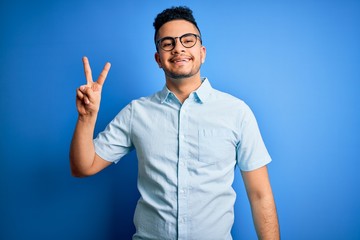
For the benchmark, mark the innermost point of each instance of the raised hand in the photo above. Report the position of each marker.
(88, 96)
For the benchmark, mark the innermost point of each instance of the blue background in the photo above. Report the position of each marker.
(296, 63)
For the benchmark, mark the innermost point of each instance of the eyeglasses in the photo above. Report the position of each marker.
(188, 40)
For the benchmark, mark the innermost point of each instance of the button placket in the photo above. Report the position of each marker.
(182, 173)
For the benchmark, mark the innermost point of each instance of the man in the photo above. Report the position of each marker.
(188, 139)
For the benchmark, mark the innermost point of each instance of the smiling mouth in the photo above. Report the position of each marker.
(180, 59)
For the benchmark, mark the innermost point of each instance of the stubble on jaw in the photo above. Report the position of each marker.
(182, 76)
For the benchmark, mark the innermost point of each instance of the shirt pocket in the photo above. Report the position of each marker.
(215, 145)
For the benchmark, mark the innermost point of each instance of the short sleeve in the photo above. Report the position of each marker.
(251, 151)
(115, 141)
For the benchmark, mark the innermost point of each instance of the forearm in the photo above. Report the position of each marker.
(265, 218)
(82, 152)
(262, 203)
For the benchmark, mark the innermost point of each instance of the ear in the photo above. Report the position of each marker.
(157, 59)
(203, 54)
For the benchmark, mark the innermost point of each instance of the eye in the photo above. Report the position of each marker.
(167, 43)
(188, 40)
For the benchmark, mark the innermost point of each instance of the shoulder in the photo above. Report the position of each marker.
(229, 100)
(154, 98)
(231, 106)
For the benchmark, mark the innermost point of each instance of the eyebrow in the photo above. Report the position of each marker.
(198, 35)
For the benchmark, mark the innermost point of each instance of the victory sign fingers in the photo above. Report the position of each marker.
(89, 94)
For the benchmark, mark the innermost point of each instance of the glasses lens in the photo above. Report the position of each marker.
(167, 44)
(188, 40)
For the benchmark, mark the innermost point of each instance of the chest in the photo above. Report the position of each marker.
(197, 132)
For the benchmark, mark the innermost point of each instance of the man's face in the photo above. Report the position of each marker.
(180, 62)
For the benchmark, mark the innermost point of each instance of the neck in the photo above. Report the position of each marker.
(184, 86)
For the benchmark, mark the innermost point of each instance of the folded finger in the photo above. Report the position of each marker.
(83, 88)
(86, 100)
(79, 94)
(82, 94)
(88, 94)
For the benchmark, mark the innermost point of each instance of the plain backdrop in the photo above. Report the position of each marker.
(296, 63)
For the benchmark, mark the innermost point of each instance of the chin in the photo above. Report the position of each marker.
(181, 75)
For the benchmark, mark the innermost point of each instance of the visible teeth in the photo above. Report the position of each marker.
(182, 60)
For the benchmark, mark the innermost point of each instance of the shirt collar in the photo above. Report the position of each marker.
(202, 93)
(164, 94)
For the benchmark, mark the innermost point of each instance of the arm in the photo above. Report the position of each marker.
(262, 203)
(83, 159)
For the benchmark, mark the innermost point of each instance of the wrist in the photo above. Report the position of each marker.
(87, 119)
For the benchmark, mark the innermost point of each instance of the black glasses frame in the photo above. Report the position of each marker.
(173, 39)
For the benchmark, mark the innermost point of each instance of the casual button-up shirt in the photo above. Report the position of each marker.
(187, 153)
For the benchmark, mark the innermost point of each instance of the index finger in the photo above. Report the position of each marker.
(104, 74)
(87, 71)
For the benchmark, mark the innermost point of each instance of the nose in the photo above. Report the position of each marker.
(178, 46)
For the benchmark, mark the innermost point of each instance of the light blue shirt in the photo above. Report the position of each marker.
(187, 155)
